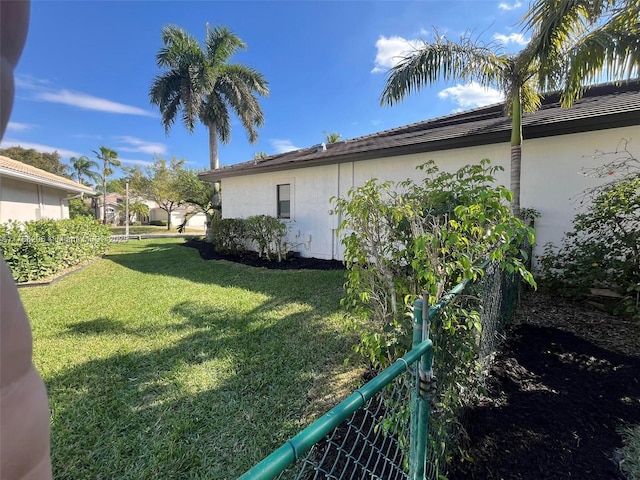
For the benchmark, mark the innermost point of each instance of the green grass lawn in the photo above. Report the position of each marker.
(142, 229)
(161, 365)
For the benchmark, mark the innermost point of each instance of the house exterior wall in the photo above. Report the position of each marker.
(551, 182)
(25, 201)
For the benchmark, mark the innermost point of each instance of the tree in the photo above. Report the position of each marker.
(204, 86)
(573, 43)
(163, 185)
(49, 162)
(109, 160)
(84, 168)
(197, 193)
(332, 137)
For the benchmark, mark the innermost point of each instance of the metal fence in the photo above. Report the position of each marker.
(398, 425)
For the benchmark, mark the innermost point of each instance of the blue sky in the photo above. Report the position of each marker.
(84, 77)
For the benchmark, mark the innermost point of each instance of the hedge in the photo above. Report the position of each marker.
(38, 249)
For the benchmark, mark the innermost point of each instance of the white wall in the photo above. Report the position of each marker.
(551, 180)
(25, 201)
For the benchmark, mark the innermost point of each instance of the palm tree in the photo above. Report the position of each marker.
(332, 137)
(524, 77)
(204, 86)
(84, 167)
(109, 160)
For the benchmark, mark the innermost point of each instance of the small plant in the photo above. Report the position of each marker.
(269, 234)
(229, 235)
(630, 452)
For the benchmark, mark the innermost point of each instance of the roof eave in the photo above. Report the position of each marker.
(6, 172)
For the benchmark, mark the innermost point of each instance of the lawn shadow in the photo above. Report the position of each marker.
(204, 406)
(557, 402)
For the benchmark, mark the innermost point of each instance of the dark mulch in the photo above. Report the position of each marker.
(563, 382)
(208, 252)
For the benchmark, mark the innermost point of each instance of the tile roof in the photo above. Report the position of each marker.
(603, 106)
(14, 168)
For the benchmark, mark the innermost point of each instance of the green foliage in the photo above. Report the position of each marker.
(41, 248)
(49, 162)
(405, 239)
(78, 207)
(229, 235)
(269, 235)
(158, 223)
(603, 248)
(630, 451)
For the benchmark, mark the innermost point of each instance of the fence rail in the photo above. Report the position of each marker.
(382, 430)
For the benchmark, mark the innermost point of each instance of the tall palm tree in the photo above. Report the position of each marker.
(109, 160)
(85, 167)
(558, 26)
(204, 86)
(332, 137)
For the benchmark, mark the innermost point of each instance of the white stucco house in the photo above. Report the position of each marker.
(29, 193)
(558, 143)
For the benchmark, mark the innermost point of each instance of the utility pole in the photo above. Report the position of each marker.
(126, 210)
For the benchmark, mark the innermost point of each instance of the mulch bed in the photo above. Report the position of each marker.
(563, 382)
(207, 252)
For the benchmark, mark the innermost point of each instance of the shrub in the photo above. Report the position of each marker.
(158, 223)
(41, 248)
(269, 234)
(603, 248)
(229, 235)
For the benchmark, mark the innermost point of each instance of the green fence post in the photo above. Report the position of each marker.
(420, 404)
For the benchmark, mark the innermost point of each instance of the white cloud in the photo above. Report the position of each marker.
(19, 127)
(89, 102)
(64, 153)
(282, 145)
(471, 95)
(144, 163)
(133, 144)
(391, 51)
(516, 38)
(509, 7)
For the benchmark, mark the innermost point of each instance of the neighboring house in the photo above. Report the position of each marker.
(297, 186)
(195, 220)
(116, 208)
(29, 193)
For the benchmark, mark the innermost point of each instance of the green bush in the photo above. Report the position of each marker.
(269, 234)
(603, 248)
(158, 223)
(41, 248)
(229, 235)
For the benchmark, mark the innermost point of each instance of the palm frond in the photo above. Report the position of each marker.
(221, 43)
(443, 60)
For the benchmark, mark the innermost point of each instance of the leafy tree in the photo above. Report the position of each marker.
(332, 137)
(137, 209)
(574, 42)
(49, 162)
(410, 238)
(197, 193)
(79, 208)
(85, 168)
(204, 86)
(109, 159)
(162, 185)
(259, 155)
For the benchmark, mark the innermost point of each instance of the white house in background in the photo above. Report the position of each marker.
(29, 193)
(196, 220)
(296, 186)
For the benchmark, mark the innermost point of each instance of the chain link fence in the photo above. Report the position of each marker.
(397, 426)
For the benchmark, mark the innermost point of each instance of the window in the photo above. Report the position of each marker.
(284, 201)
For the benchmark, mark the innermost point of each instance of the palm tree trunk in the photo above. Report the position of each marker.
(214, 162)
(516, 153)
